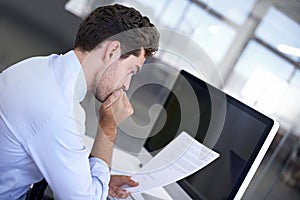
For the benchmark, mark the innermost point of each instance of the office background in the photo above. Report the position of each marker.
(254, 45)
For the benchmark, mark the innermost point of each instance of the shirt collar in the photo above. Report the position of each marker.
(80, 85)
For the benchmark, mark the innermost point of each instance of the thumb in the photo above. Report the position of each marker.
(130, 181)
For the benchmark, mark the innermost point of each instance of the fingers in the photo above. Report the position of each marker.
(119, 180)
(124, 102)
(118, 192)
(111, 99)
(118, 106)
(122, 108)
(127, 180)
(115, 109)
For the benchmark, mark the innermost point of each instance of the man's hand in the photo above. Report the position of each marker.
(113, 111)
(116, 181)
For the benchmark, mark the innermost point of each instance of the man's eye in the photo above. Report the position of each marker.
(132, 72)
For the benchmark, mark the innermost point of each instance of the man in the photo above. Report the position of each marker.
(41, 119)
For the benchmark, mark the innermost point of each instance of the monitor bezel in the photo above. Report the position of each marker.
(254, 161)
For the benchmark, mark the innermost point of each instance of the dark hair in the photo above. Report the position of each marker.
(118, 22)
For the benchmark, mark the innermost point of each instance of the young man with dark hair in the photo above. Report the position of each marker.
(41, 119)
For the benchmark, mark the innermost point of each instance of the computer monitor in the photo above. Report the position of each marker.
(239, 133)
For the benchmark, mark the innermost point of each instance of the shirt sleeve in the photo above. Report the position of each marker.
(61, 156)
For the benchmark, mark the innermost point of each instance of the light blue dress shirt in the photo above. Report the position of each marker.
(41, 122)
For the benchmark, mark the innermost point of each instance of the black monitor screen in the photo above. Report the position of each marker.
(224, 124)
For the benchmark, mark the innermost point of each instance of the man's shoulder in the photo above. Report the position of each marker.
(30, 61)
(30, 89)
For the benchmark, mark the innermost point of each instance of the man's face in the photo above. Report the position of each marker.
(118, 75)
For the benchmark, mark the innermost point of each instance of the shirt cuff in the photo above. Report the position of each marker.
(99, 169)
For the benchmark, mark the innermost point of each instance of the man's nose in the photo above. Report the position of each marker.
(126, 84)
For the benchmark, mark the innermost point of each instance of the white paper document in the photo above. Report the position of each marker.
(180, 158)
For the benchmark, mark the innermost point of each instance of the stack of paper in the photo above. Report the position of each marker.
(179, 159)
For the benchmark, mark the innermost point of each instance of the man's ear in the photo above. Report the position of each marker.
(113, 51)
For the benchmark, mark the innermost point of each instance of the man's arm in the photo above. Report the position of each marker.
(113, 111)
(61, 157)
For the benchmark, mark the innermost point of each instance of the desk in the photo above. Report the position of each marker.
(125, 163)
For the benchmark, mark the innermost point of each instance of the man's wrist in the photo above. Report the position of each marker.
(110, 131)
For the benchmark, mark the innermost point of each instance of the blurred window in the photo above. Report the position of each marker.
(213, 35)
(237, 11)
(280, 32)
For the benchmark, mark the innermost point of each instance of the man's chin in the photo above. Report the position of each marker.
(100, 99)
